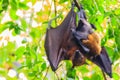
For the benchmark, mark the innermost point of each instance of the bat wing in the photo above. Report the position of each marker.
(56, 39)
(103, 62)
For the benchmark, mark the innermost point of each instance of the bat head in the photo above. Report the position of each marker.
(78, 58)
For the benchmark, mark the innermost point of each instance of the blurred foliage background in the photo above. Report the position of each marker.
(23, 25)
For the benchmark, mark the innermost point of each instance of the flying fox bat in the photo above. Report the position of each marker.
(86, 37)
(60, 43)
(68, 42)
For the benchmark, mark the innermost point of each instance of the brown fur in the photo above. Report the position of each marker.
(71, 49)
(93, 43)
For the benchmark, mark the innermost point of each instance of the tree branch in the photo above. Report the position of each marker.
(104, 75)
(55, 12)
(76, 4)
(46, 73)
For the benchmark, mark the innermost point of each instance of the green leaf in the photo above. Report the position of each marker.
(71, 73)
(43, 66)
(14, 4)
(23, 24)
(113, 21)
(107, 14)
(95, 76)
(33, 53)
(12, 25)
(17, 29)
(83, 69)
(32, 74)
(2, 28)
(117, 11)
(110, 32)
(20, 51)
(3, 5)
(6, 51)
(13, 14)
(110, 51)
(117, 38)
(116, 76)
(23, 6)
(35, 32)
(62, 1)
(86, 78)
(29, 62)
(13, 33)
(100, 18)
(104, 40)
(9, 25)
(68, 64)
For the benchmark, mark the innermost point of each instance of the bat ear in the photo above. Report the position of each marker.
(93, 26)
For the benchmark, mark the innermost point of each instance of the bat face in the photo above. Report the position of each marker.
(73, 52)
(78, 58)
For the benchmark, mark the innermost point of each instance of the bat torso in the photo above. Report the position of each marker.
(67, 41)
(93, 43)
(72, 54)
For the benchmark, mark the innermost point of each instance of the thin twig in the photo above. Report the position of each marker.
(37, 75)
(104, 75)
(46, 73)
(76, 4)
(50, 11)
(55, 12)
(57, 75)
(49, 23)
